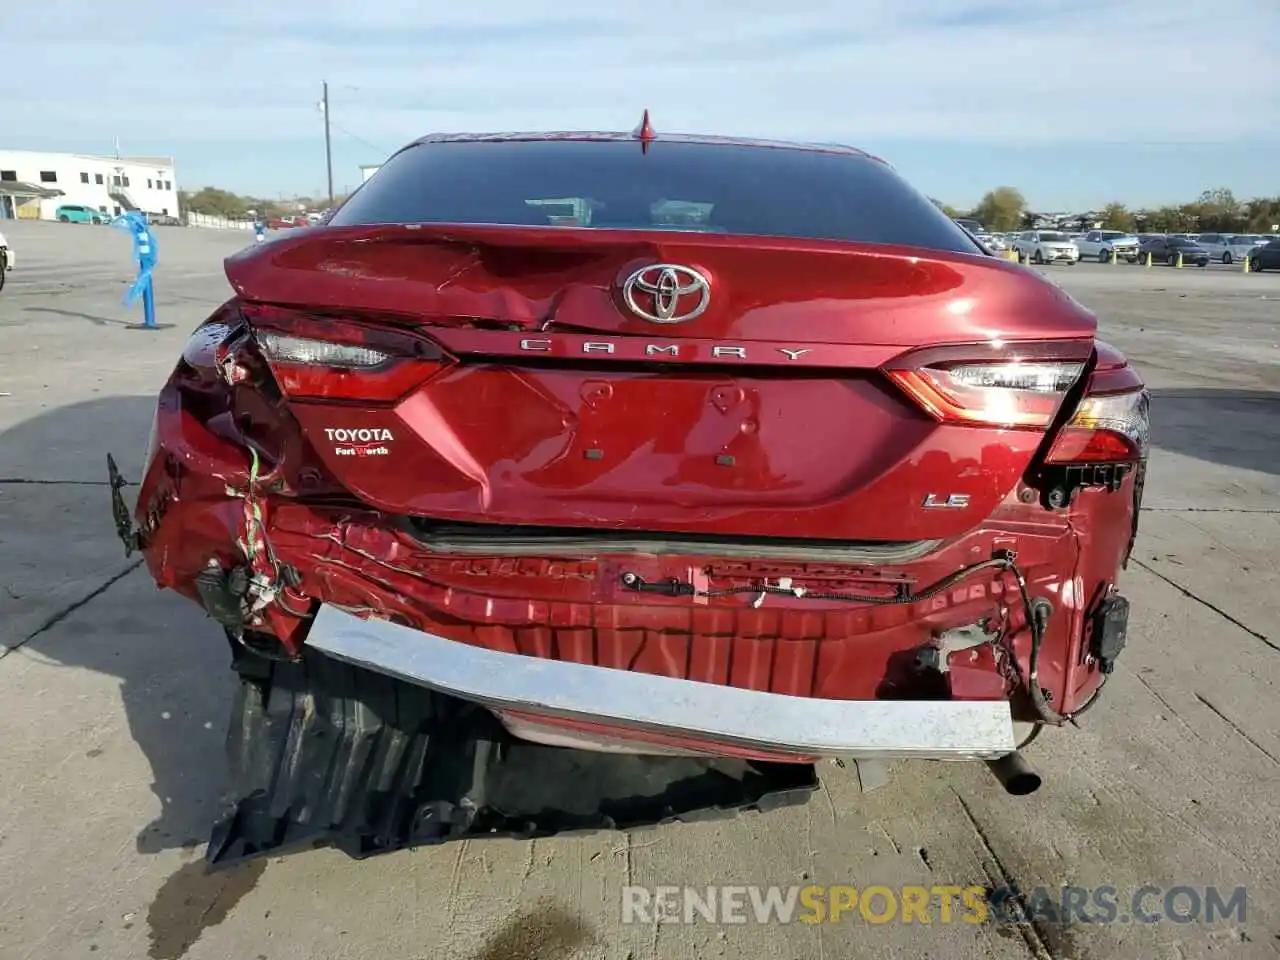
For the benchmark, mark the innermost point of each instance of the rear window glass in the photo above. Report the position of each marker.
(703, 187)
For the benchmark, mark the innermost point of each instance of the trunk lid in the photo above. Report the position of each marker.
(653, 381)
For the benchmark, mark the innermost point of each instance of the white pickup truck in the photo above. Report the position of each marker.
(1103, 245)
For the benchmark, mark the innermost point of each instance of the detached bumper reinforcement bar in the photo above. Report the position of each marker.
(776, 723)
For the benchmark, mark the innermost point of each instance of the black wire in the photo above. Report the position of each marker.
(678, 588)
(1003, 561)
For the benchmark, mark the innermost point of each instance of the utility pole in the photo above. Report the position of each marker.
(328, 148)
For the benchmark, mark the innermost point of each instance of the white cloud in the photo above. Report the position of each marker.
(1077, 71)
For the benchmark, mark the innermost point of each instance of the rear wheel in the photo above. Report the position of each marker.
(1226, 257)
(64, 218)
(1104, 256)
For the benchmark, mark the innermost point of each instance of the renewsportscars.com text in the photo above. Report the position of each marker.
(944, 904)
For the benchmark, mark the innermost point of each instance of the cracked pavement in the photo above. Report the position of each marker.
(114, 697)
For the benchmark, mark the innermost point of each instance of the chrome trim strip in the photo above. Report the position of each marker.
(866, 729)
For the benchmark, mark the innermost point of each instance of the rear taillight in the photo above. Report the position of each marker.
(318, 358)
(1008, 393)
(1106, 428)
(302, 351)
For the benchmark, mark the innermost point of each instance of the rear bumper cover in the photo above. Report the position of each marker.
(648, 706)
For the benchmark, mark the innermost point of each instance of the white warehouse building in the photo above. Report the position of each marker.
(34, 184)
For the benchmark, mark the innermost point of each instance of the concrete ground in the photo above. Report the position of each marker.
(114, 697)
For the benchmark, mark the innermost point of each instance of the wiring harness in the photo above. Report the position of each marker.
(1036, 614)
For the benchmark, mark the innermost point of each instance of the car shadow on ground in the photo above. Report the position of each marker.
(1229, 427)
(171, 661)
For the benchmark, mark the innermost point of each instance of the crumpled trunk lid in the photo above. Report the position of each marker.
(551, 400)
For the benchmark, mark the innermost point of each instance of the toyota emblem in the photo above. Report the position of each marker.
(666, 293)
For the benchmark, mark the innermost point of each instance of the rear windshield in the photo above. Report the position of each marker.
(702, 187)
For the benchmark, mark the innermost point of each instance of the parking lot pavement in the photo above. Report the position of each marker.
(114, 697)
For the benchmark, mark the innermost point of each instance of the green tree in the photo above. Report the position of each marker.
(946, 208)
(1001, 209)
(1171, 220)
(1115, 216)
(1261, 214)
(1217, 210)
(216, 202)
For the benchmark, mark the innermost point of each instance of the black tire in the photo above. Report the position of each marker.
(4, 267)
(1104, 256)
(64, 219)
(1226, 257)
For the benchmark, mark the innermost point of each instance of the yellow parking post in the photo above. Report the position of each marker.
(1148, 263)
(1247, 265)
(1114, 258)
(1011, 254)
(1179, 263)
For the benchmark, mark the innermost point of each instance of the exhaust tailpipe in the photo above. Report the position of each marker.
(1015, 774)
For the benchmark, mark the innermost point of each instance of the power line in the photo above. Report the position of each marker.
(371, 146)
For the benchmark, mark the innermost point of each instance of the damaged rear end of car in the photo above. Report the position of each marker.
(592, 481)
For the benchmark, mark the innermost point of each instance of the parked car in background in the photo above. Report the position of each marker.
(76, 213)
(1102, 245)
(1265, 256)
(1166, 250)
(1227, 247)
(993, 242)
(1046, 246)
(972, 225)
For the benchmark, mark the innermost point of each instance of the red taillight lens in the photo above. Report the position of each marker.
(1018, 393)
(1106, 428)
(324, 359)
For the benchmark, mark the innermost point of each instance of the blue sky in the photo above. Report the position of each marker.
(1077, 103)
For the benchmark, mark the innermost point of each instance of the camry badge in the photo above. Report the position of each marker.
(666, 293)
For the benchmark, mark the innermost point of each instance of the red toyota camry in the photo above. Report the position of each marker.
(577, 480)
